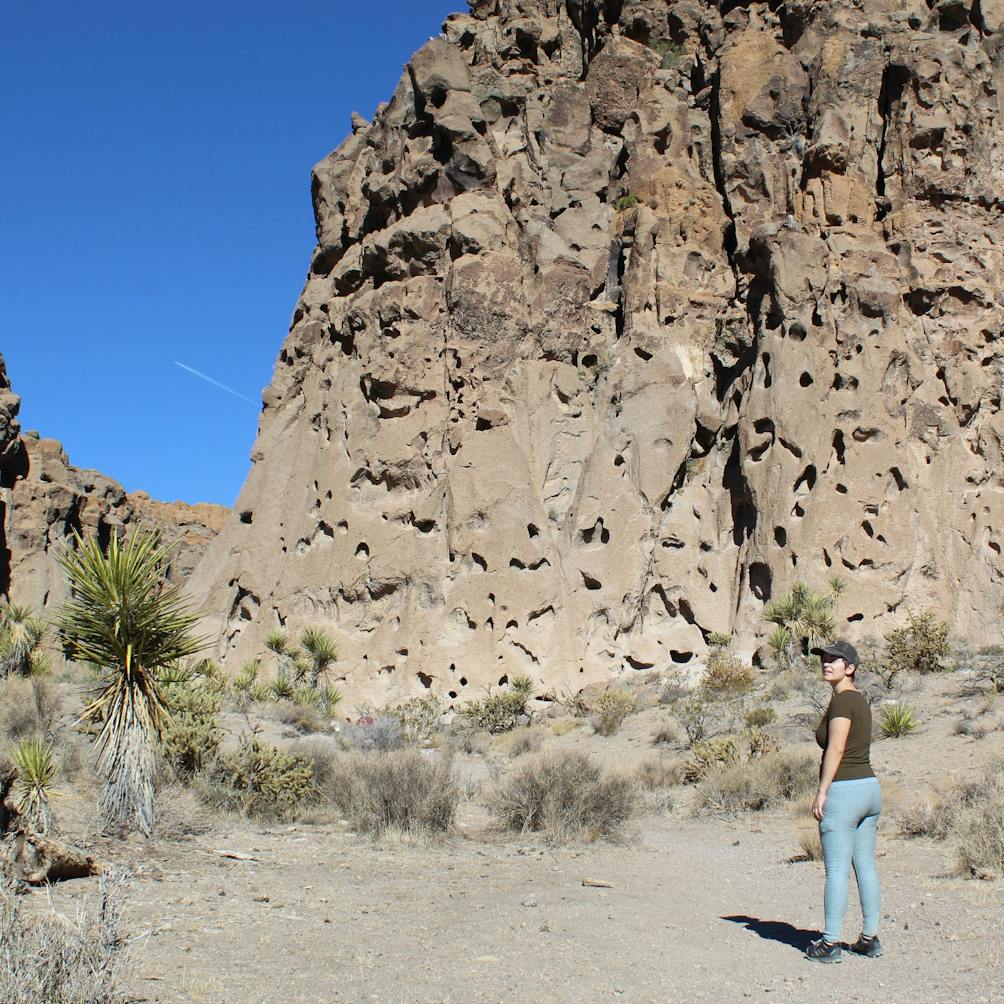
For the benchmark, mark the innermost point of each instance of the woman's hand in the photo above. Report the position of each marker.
(817, 804)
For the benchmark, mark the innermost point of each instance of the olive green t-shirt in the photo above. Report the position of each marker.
(856, 761)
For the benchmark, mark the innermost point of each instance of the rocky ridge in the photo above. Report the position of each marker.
(623, 316)
(44, 498)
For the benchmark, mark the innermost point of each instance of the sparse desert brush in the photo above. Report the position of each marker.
(305, 718)
(752, 785)
(403, 790)
(987, 665)
(697, 715)
(497, 711)
(897, 721)
(374, 734)
(18, 717)
(420, 718)
(50, 959)
(181, 814)
(809, 843)
(563, 796)
(528, 740)
(260, 781)
(972, 813)
(655, 773)
(667, 734)
(610, 709)
(760, 716)
(726, 675)
(920, 646)
(464, 736)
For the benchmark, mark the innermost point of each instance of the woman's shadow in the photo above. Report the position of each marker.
(776, 930)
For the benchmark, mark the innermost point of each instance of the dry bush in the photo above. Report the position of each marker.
(920, 646)
(971, 812)
(809, 844)
(400, 790)
(497, 711)
(726, 675)
(610, 710)
(667, 734)
(527, 741)
(757, 784)
(380, 733)
(563, 796)
(18, 714)
(464, 736)
(419, 717)
(306, 718)
(656, 773)
(54, 960)
(259, 781)
(181, 814)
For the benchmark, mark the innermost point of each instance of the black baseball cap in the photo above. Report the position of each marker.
(840, 648)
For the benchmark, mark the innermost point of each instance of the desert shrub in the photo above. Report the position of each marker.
(525, 741)
(628, 201)
(610, 709)
(523, 684)
(667, 734)
(18, 717)
(419, 717)
(726, 675)
(755, 784)
(987, 664)
(261, 781)
(723, 751)
(972, 728)
(50, 959)
(897, 720)
(191, 737)
(719, 639)
(563, 796)
(656, 773)
(809, 843)
(928, 817)
(497, 711)
(402, 790)
(465, 736)
(697, 716)
(920, 646)
(378, 734)
(760, 716)
(979, 830)
(181, 814)
(306, 718)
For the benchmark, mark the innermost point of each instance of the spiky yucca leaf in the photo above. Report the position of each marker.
(22, 640)
(277, 642)
(779, 640)
(522, 684)
(321, 652)
(782, 611)
(124, 621)
(36, 768)
(282, 686)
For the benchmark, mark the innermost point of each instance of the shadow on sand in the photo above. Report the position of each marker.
(776, 930)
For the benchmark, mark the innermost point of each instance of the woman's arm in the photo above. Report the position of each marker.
(836, 742)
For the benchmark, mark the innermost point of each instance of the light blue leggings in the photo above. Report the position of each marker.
(847, 832)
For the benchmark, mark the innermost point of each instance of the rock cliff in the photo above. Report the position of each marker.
(623, 316)
(44, 498)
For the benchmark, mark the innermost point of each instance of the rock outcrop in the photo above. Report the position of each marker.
(44, 498)
(624, 316)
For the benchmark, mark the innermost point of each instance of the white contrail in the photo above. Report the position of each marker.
(215, 383)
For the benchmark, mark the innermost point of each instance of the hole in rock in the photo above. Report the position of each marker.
(453, 695)
(867, 527)
(247, 516)
(362, 550)
(838, 445)
(589, 582)
(899, 479)
(807, 478)
(463, 681)
(479, 561)
(841, 489)
(532, 531)
(780, 536)
(805, 380)
(760, 579)
(642, 354)
(855, 617)
(680, 657)
(503, 680)
(424, 679)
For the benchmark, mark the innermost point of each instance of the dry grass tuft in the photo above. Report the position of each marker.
(404, 790)
(752, 785)
(181, 814)
(527, 740)
(655, 773)
(54, 960)
(667, 734)
(564, 796)
(610, 710)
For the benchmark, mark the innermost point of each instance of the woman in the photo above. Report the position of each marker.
(847, 806)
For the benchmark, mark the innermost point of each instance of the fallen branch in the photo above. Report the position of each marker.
(39, 860)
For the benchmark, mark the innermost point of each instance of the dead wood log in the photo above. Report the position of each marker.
(39, 860)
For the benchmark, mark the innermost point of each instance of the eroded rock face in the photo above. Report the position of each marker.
(622, 317)
(49, 498)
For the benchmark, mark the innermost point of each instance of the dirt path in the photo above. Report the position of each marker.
(699, 910)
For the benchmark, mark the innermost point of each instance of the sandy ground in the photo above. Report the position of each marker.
(700, 909)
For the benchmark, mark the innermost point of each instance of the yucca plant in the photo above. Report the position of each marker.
(804, 619)
(283, 687)
(125, 622)
(321, 652)
(522, 684)
(897, 720)
(247, 677)
(36, 776)
(22, 642)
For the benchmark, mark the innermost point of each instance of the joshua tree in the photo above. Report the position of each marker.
(804, 618)
(124, 621)
(320, 651)
(22, 640)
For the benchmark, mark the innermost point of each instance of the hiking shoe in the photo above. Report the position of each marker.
(823, 951)
(870, 948)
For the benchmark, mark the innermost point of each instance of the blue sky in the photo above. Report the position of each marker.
(155, 208)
